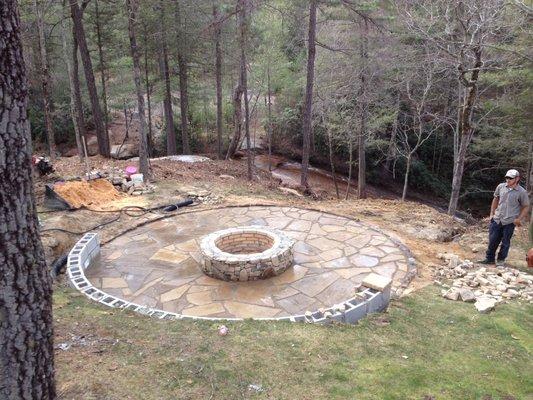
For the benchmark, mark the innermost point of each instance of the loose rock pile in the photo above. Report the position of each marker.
(122, 182)
(199, 195)
(486, 286)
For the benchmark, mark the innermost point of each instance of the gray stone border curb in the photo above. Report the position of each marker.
(365, 301)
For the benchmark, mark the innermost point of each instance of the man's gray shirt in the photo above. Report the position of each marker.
(511, 201)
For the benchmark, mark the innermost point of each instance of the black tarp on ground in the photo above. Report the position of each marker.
(54, 201)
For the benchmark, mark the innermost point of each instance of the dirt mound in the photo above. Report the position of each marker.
(81, 193)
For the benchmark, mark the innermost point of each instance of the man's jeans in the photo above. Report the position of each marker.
(499, 233)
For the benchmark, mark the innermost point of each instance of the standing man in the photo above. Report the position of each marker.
(509, 207)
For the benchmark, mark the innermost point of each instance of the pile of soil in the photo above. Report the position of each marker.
(87, 193)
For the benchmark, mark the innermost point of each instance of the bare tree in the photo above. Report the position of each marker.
(391, 152)
(529, 176)
(167, 99)
(131, 7)
(102, 65)
(182, 45)
(237, 96)
(218, 77)
(26, 323)
(243, 39)
(237, 118)
(45, 77)
(269, 118)
(308, 104)
(413, 136)
(363, 105)
(79, 30)
(76, 110)
(148, 85)
(464, 32)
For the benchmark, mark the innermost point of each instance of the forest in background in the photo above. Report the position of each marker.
(434, 95)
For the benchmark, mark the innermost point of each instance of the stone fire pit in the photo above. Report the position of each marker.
(246, 253)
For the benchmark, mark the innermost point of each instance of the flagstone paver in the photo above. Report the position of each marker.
(200, 298)
(174, 293)
(206, 310)
(113, 283)
(158, 264)
(249, 311)
(170, 256)
(313, 285)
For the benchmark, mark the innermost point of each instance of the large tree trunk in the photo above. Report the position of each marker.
(75, 97)
(243, 5)
(45, 80)
(102, 66)
(26, 334)
(183, 74)
(167, 99)
(103, 139)
(361, 139)
(218, 78)
(466, 131)
(308, 105)
(131, 7)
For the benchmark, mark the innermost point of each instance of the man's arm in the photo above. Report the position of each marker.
(494, 206)
(523, 214)
(524, 200)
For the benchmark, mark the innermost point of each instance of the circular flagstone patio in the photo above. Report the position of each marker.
(158, 265)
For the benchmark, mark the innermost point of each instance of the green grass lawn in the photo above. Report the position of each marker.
(424, 347)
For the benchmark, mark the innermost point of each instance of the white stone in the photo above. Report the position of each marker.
(467, 295)
(452, 294)
(485, 304)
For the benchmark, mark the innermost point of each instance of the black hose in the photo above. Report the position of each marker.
(130, 211)
(174, 207)
(58, 264)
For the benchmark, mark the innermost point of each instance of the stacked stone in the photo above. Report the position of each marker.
(199, 195)
(245, 243)
(221, 264)
(484, 286)
(121, 181)
(137, 188)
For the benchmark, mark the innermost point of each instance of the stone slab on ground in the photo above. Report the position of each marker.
(485, 304)
(377, 282)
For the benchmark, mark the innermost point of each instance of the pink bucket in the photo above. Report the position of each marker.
(130, 170)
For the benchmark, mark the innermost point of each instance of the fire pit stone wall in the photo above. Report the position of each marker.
(246, 253)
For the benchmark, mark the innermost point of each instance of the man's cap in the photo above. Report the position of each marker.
(512, 173)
